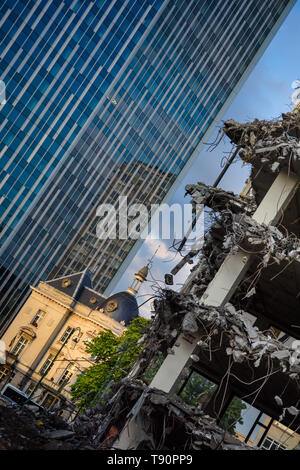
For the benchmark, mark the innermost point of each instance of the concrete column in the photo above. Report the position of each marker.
(277, 198)
(228, 277)
(166, 377)
(218, 293)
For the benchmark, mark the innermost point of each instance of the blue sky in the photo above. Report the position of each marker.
(265, 95)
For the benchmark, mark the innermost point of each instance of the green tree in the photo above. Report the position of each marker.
(198, 386)
(151, 371)
(233, 415)
(195, 387)
(114, 358)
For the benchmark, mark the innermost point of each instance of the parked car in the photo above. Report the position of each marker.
(18, 398)
(8, 401)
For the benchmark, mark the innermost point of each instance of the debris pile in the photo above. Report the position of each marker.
(265, 240)
(218, 199)
(23, 429)
(165, 421)
(271, 144)
(238, 337)
(212, 253)
(229, 233)
(241, 340)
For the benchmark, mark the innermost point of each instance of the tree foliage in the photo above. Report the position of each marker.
(198, 386)
(195, 388)
(114, 358)
(233, 415)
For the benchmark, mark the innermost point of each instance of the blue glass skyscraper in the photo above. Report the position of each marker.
(107, 98)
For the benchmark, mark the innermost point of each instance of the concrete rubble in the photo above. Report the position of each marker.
(242, 340)
(166, 422)
(24, 429)
(272, 144)
(218, 199)
(266, 241)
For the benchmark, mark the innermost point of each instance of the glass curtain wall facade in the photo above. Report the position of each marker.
(106, 98)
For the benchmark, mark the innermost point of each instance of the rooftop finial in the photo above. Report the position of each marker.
(141, 276)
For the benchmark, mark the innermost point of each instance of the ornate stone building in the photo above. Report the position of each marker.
(67, 308)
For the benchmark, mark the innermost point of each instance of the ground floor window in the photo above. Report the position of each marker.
(198, 390)
(30, 388)
(66, 375)
(50, 401)
(4, 370)
(233, 416)
(271, 444)
(46, 365)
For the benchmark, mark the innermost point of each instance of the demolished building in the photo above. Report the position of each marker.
(235, 321)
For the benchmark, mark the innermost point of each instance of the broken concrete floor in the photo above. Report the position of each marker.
(165, 422)
(23, 429)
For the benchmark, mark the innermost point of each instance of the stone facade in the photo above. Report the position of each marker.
(38, 332)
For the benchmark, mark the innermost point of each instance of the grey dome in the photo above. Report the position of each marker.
(126, 307)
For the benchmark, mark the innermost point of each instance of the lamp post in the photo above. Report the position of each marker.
(52, 362)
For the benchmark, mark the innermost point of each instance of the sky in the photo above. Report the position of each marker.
(265, 95)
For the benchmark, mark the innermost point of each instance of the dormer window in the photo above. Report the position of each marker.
(37, 318)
